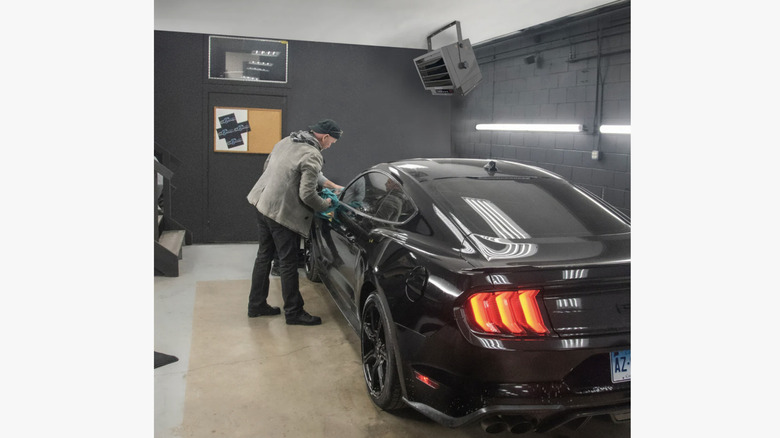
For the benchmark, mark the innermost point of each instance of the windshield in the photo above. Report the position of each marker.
(524, 208)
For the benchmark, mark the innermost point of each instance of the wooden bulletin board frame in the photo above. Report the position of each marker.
(246, 130)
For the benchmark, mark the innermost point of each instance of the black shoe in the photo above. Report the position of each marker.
(275, 270)
(264, 310)
(304, 318)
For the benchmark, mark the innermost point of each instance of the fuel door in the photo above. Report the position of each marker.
(416, 281)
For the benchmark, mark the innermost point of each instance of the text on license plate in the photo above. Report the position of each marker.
(620, 366)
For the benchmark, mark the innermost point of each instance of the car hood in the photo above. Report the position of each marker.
(482, 251)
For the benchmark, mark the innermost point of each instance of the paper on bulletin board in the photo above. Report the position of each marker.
(247, 130)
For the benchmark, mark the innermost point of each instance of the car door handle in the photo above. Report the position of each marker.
(350, 237)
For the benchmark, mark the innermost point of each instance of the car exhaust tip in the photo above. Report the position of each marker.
(493, 425)
(521, 425)
(515, 424)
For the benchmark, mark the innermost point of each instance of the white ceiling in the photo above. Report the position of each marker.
(389, 23)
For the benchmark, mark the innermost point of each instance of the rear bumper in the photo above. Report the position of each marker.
(540, 418)
(542, 388)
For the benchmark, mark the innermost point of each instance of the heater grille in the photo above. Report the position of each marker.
(433, 72)
(450, 69)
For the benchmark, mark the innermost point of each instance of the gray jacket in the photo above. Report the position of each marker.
(287, 190)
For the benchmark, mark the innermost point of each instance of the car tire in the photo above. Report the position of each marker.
(309, 261)
(378, 355)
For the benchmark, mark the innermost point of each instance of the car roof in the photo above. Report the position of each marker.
(427, 169)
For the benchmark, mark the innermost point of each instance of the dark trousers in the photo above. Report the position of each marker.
(286, 242)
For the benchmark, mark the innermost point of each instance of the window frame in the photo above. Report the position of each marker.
(414, 212)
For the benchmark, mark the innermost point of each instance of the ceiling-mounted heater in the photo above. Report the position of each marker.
(450, 69)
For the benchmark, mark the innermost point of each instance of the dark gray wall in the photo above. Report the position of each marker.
(374, 93)
(583, 76)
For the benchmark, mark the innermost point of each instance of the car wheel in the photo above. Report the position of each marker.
(378, 355)
(309, 262)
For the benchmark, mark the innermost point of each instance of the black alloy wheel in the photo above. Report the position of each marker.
(378, 356)
(308, 260)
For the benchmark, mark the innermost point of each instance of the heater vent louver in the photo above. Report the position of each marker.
(433, 72)
(450, 69)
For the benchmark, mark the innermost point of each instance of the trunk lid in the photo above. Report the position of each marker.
(585, 282)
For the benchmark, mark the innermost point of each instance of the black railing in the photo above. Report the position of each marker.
(169, 235)
(165, 165)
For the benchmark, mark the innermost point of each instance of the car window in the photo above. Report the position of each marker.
(355, 194)
(379, 196)
(525, 208)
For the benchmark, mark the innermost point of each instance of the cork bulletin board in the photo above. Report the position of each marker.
(246, 130)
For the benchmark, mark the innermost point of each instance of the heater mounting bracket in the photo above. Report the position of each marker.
(456, 23)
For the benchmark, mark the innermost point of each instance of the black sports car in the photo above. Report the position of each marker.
(482, 290)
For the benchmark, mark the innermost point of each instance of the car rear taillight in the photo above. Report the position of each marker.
(508, 313)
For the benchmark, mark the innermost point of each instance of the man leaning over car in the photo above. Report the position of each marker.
(286, 198)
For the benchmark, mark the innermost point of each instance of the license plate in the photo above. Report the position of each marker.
(620, 366)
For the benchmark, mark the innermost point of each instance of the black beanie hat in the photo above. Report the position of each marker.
(327, 126)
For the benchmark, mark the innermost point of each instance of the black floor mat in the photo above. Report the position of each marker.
(161, 359)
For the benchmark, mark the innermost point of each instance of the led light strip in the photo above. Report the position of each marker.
(529, 127)
(550, 127)
(615, 129)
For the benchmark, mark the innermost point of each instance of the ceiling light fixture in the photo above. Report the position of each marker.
(615, 129)
(535, 127)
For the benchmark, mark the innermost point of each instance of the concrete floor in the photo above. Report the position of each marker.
(242, 377)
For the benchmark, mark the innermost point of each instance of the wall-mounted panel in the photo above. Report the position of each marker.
(247, 59)
(247, 130)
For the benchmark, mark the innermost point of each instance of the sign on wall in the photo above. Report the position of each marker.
(247, 130)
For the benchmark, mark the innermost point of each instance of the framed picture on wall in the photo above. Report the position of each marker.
(246, 59)
(246, 130)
